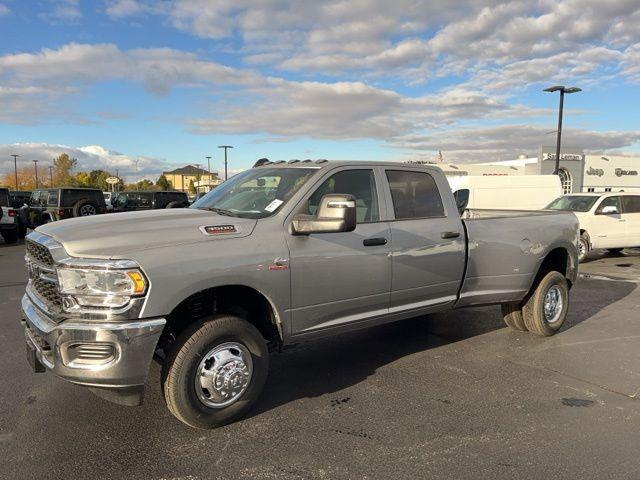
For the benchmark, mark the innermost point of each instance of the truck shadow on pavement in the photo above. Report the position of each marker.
(330, 365)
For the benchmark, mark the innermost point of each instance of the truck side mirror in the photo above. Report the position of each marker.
(462, 199)
(336, 213)
(609, 210)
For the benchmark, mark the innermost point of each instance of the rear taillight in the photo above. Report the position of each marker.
(13, 213)
(61, 212)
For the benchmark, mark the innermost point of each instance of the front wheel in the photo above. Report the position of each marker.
(512, 315)
(583, 247)
(546, 309)
(215, 372)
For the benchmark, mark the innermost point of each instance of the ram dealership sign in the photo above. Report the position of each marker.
(622, 173)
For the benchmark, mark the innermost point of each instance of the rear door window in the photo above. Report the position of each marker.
(49, 198)
(631, 203)
(414, 195)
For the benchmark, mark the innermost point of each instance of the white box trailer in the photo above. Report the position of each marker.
(507, 192)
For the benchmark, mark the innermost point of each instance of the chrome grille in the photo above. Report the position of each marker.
(39, 253)
(47, 291)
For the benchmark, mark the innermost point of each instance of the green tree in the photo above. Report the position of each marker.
(163, 183)
(192, 187)
(98, 179)
(64, 166)
(145, 184)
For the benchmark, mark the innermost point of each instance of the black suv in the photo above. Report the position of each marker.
(19, 198)
(131, 201)
(51, 204)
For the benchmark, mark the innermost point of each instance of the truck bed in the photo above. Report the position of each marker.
(505, 249)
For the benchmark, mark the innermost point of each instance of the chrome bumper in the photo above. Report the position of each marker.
(111, 357)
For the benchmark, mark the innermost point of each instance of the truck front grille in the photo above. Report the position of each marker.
(39, 253)
(47, 291)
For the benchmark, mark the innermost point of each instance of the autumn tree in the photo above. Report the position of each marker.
(192, 187)
(163, 184)
(64, 166)
(26, 178)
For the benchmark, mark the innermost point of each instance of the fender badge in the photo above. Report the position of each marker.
(218, 229)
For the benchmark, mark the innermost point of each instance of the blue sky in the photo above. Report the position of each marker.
(162, 83)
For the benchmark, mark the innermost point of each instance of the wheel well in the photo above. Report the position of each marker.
(239, 300)
(556, 260)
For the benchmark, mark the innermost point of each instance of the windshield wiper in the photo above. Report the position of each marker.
(220, 211)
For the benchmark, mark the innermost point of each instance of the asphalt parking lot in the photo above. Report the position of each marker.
(454, 395)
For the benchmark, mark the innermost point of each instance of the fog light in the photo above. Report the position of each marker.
(81, 355)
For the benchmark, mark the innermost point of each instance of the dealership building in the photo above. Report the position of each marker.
(578, 172)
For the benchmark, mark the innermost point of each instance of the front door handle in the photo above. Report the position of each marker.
(372, 242)
(450, 234)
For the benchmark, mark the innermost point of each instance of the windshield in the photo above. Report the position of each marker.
(255, 193)
(575, 203)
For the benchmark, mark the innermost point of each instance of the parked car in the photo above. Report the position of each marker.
(274, 256)
(9, 228)
(19, 198)
(131, 201)
(108, 196)
(608, 221)
(52, 204)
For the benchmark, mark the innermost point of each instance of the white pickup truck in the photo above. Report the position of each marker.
(607, 221)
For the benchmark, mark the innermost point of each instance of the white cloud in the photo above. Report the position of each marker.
(90, 157)
(4, 10)
(63, 11)
(508, 141)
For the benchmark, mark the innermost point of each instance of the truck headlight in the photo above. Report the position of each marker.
(94, 287)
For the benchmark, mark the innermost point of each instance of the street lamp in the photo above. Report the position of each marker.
(209, 170)
(15, 167)
(51, 176)
(562, 89)
(35, 167)
(226, 147)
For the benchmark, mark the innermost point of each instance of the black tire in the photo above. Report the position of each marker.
(533, 309)
(10, 236)
(181, 366)
(584, 246)
(614, 251)
(175, 205)
(85, 208)
(512, 315)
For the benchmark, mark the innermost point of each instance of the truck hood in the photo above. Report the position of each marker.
(114, 235)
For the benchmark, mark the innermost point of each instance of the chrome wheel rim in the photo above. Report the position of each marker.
(223, 375)
(582, 249)
(87, 210)
(553, 304)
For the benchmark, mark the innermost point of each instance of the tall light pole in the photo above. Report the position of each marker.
(226, 147)
(198, 177)
(35, 167)
(562, 89)
(209, 170)
(50, 176)
(15, 167)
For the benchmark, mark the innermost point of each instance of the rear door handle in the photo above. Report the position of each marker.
(372, 242)
(450, 234)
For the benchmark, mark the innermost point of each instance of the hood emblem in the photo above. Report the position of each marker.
(218, 229)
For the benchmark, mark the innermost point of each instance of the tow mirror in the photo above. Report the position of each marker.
(609, 210)
(462, 199)
(336, 213)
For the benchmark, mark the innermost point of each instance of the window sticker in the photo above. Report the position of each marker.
(273, 205)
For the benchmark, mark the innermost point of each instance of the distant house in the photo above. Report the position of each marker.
(203, 180)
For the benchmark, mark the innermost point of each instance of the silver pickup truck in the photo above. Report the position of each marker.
(278, 254)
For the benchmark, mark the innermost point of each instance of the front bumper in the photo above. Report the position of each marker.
(110, 357)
